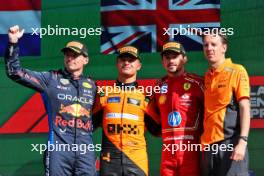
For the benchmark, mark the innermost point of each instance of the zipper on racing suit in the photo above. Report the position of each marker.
(76, 85)
(121, 135)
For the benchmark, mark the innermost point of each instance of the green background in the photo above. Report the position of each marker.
(246, 47)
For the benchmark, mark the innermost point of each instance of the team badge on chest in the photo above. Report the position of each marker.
(174, 119)
(186, 86)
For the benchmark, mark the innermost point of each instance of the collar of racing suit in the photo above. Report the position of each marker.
(68, 75)
(126, 85)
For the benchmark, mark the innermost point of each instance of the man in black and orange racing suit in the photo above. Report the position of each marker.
(122, 111)
(68, 98)
(180, 104)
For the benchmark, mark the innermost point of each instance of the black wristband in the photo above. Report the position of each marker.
(244, 138)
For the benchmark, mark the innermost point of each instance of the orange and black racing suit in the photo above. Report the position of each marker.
(123, 116)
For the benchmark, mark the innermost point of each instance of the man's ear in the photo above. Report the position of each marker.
(185, 59)
(224, 48)
(139, 66)
(86, 60)
(163, 61)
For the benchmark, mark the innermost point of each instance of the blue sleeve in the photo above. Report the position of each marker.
(32, 79)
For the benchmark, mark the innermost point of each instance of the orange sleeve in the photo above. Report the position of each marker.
(242, 86)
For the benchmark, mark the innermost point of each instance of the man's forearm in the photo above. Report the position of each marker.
(11, 59)
(244, 107)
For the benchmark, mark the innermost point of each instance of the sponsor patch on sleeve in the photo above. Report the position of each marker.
(113, 100)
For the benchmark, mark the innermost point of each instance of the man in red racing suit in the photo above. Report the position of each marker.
(180, 103)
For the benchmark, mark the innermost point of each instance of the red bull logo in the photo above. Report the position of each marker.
(59, 121)
(76, 110)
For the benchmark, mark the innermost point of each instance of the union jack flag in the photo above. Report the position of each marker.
(142, 23)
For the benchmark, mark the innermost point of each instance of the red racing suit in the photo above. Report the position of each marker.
(180, 103)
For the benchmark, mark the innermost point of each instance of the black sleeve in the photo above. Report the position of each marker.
(97, 119)
(32, 79)
(151, 125)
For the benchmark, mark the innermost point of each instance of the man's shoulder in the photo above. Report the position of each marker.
(89, 79)
(88, 83)
(194, 77)
(56, 73)
(195, 80)
(161, 81)
(235, 67)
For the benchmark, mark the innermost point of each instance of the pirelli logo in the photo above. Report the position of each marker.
(128, 49)
(124, 128)
(171, 45)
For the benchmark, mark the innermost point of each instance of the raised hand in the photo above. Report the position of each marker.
(14, 33)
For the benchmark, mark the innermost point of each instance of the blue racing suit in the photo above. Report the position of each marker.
(68, 103)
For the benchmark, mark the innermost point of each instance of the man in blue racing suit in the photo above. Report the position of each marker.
(68, 98)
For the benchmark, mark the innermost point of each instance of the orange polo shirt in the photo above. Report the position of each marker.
(225, 86)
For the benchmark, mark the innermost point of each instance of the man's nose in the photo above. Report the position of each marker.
(210, 47)
(69, 58)
(126, 62)
(170, 60)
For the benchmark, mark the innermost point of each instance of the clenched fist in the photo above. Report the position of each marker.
(14, 34)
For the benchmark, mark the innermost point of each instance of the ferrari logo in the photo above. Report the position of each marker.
(186, 86)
